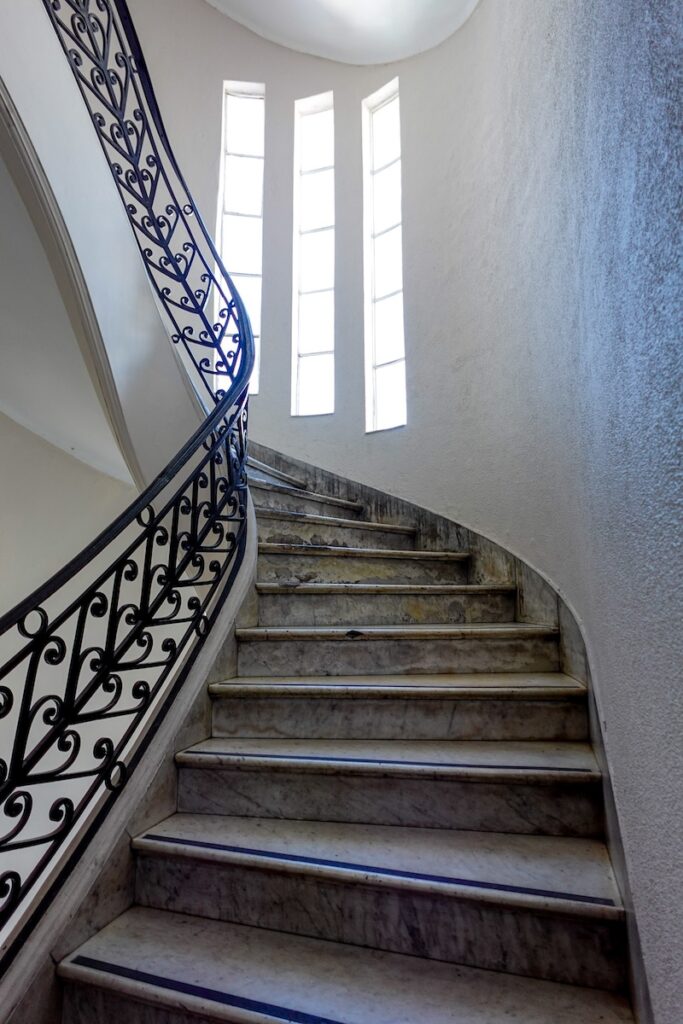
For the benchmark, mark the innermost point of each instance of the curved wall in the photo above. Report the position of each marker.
(44, 383)
(51, 506)
(154, 394)
(543, 363)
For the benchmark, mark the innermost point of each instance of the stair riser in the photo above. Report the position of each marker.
(538, 945)
(84, 1004)
(400, 719)
(273, 568)
(565, 809)
(285, 531)
(383, 609)
(264, 498)
(364, 657)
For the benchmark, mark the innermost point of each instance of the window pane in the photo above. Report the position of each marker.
(389, 329)
(390, 392)
(387, 197)
(388, 263)
(316, 255)
(242, 244)
(243, 187)
(244, 126)
(316, 200)
(386, 133)
(316, 140)
(316, 322)
(315, 385)
(250, 293)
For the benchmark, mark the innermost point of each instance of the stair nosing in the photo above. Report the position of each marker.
(489, 630)
(287, 478)
(272, 485)
(272, 587)
(302, 688)
(291, 515)
(331, 550)
(339, 765)
(371, 876)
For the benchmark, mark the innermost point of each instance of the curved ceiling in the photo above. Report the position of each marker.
(352, 31)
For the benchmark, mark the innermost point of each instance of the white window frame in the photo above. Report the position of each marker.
(303, 108)
(249, 90)
(370, 106)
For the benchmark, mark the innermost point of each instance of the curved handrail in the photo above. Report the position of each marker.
(91, 661)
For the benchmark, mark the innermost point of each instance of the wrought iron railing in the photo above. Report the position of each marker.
(90, 662)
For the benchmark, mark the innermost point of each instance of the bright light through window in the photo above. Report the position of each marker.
(313, 297)
(385, 365)
(240, 227)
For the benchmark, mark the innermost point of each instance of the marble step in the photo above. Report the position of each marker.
(534, 788)
(507, 706)
(153, 967)
(533, 905)
(378, 604)
(282, 526)
(261, 470)
(359, 650)
(270, 494)
(296, 562)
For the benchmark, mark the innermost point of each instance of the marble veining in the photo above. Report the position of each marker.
(397, 793)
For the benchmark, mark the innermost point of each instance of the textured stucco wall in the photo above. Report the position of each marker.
(544, 362)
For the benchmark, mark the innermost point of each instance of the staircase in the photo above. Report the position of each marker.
(398, 817)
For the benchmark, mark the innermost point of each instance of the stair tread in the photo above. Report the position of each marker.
(280, 475)
(540, 685)
(437, 631)
(350, 524)
(529, 760)
(272, 485)
(331, 550)
(543, 872)
(228, 972)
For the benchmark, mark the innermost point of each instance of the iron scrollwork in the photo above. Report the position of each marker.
(92, 660)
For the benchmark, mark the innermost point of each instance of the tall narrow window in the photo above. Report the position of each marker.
(313, 293)
(385, 364)
(240, 226)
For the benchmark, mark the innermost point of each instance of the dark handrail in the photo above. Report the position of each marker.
(92, 660)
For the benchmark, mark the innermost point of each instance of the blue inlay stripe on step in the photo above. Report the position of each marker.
(213, 995)
(382, 760)
(294, 858)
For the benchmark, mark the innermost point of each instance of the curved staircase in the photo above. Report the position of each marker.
(398, 816)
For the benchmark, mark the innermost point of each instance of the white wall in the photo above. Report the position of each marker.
(543, 365)
(153, 393)
(51, 506)
(44, 383)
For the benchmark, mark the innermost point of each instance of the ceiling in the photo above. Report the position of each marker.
(352, 31)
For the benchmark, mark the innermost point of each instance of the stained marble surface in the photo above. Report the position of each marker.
(342, 983)
(563, 866)
(388, 799)
(319, 532)
(281, 562)
(545, 760)
(482, 685)
(400, 918)
(302, 501)
(298, 715)
(476, 652)
(312, 607)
